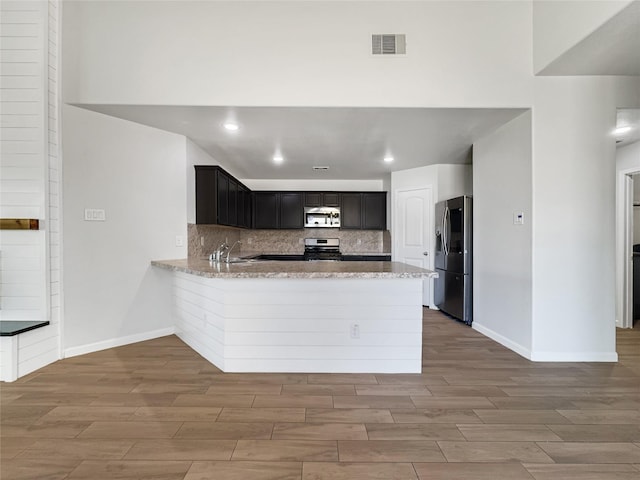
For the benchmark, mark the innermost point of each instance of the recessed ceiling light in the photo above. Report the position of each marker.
(622, 130)
(388, 159)
(278, 158)
(232, 127)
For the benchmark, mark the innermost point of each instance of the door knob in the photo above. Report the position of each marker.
(425, 253)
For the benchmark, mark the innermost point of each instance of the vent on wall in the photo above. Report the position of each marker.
(388, 44)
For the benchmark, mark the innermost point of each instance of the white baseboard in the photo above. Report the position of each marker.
(574, 357)
(511, 345)
(546, 356)
(117, 342)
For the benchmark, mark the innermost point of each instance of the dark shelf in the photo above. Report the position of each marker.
(9, 328)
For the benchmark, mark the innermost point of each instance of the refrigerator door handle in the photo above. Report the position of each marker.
(445, 232)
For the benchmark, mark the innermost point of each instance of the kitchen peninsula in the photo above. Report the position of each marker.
(296, 316)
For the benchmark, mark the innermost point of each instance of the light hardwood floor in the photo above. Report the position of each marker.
(156, 410)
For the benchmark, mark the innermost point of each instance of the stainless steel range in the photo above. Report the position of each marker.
(322, 249)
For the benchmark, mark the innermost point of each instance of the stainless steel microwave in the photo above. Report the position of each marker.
(323, 217)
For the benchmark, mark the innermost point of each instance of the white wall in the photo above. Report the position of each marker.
(558, 25)
(311, 185)
(460, 54)
(502, 251)
(454, 181)
(137, 175)
(573, 205)
(447, 181)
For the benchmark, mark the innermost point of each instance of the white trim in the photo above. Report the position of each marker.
(504, 341)
(9, 358)
(575, 357)
(117, 342)
(627, 251)
(546, 356)
(623, 249)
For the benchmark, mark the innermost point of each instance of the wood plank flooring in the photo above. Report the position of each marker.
(156, 410)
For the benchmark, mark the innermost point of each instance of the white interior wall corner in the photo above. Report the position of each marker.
(574, 262)
(502, 256)
(559, 25)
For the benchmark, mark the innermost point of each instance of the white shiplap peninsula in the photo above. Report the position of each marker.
(275, 316)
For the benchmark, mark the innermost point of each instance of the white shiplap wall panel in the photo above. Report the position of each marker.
(29, 175)
(54, 170)
(22, 263)
(301, 325)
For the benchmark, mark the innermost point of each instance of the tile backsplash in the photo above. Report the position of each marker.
(282, 241)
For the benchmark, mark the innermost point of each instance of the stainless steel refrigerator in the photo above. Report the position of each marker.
(453, 293)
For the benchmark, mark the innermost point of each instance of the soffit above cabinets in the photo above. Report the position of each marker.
(352, 142)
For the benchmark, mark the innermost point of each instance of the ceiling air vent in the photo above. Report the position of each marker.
(388, 44)
(320, 168)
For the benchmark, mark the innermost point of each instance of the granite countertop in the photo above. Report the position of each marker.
(294, 269)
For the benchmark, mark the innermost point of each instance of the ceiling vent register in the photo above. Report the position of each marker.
(388, 44)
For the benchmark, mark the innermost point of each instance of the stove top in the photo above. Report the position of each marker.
(322, 249)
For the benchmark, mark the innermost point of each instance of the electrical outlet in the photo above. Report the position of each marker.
(202, 241)
(354, 330)
(358, 242)
(179, 242)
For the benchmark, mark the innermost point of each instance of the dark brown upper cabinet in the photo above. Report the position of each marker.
(374, 211)
(223, 200)
(220, 198)
(364, 211)
(291, 210)
(351, 211)
(321, 199)
(278, 210)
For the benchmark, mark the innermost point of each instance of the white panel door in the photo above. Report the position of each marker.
(414, 229)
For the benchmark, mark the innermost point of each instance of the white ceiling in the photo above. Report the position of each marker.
(351, 141)
(612, 49)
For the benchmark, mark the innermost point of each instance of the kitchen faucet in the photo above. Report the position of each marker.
(229, 251)
(217, 255)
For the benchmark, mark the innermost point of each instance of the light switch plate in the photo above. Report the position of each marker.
(94, 215)
(518, 218)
